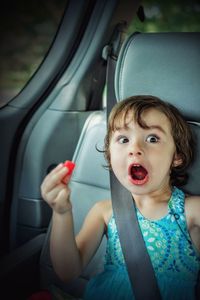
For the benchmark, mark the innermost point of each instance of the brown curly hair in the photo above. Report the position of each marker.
(180, 129)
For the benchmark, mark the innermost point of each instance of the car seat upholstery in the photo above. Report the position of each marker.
(166, 65)
(89, 184)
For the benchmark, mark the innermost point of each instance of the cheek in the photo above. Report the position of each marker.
(164, 158)
(118, 165)
(166, 161)
(113, 160)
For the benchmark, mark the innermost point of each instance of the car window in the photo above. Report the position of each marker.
(27, 29)
(168, 16)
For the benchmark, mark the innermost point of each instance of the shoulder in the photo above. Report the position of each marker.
(192, 210)
(96, 219)
(102, 209)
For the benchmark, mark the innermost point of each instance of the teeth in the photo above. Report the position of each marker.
(138, 172)
(137, 166)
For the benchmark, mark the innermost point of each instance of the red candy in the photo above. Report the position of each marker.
(70, 166)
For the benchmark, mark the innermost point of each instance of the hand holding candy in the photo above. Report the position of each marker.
(55, 190)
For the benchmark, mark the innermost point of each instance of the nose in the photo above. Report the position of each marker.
(135, 149)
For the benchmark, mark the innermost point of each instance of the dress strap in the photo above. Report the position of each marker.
(177, 211)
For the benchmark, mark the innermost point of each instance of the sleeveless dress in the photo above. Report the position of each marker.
(175, 260)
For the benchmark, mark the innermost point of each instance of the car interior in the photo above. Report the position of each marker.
(71, 124)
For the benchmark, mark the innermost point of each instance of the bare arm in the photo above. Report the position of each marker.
(69, 254)
(192, 210)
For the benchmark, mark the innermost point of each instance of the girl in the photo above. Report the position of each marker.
(149, 147)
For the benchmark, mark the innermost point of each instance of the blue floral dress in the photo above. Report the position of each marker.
(175, 260)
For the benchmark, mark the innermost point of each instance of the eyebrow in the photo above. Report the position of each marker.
(158, 127)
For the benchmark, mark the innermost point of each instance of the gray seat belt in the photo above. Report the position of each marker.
(139, 267)
(138, 263)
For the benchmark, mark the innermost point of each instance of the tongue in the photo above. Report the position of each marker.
(138, 172)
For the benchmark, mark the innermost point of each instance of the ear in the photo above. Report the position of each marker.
(177, 161)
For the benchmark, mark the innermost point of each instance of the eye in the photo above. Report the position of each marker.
(152, 138)
(122, 139)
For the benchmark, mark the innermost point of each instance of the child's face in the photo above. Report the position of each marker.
(142, 158)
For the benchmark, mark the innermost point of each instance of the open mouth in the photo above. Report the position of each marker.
(138, 174)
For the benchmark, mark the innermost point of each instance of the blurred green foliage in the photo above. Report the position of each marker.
(169, 16)
(27, 29)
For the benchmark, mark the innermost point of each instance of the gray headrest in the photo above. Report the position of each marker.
(166, 65)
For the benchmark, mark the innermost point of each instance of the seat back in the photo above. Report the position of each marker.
(89, 184)
(166, 65)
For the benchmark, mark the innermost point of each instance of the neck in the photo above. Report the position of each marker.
(153, 198)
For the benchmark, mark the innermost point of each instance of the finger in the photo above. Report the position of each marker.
(66, 179)
(53, 194)
(61, 202)
(53, 179)
(59, 167)
(62, 196)
(56, 169)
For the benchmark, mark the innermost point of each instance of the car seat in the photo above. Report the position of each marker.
(166, 65)
(89, 184)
